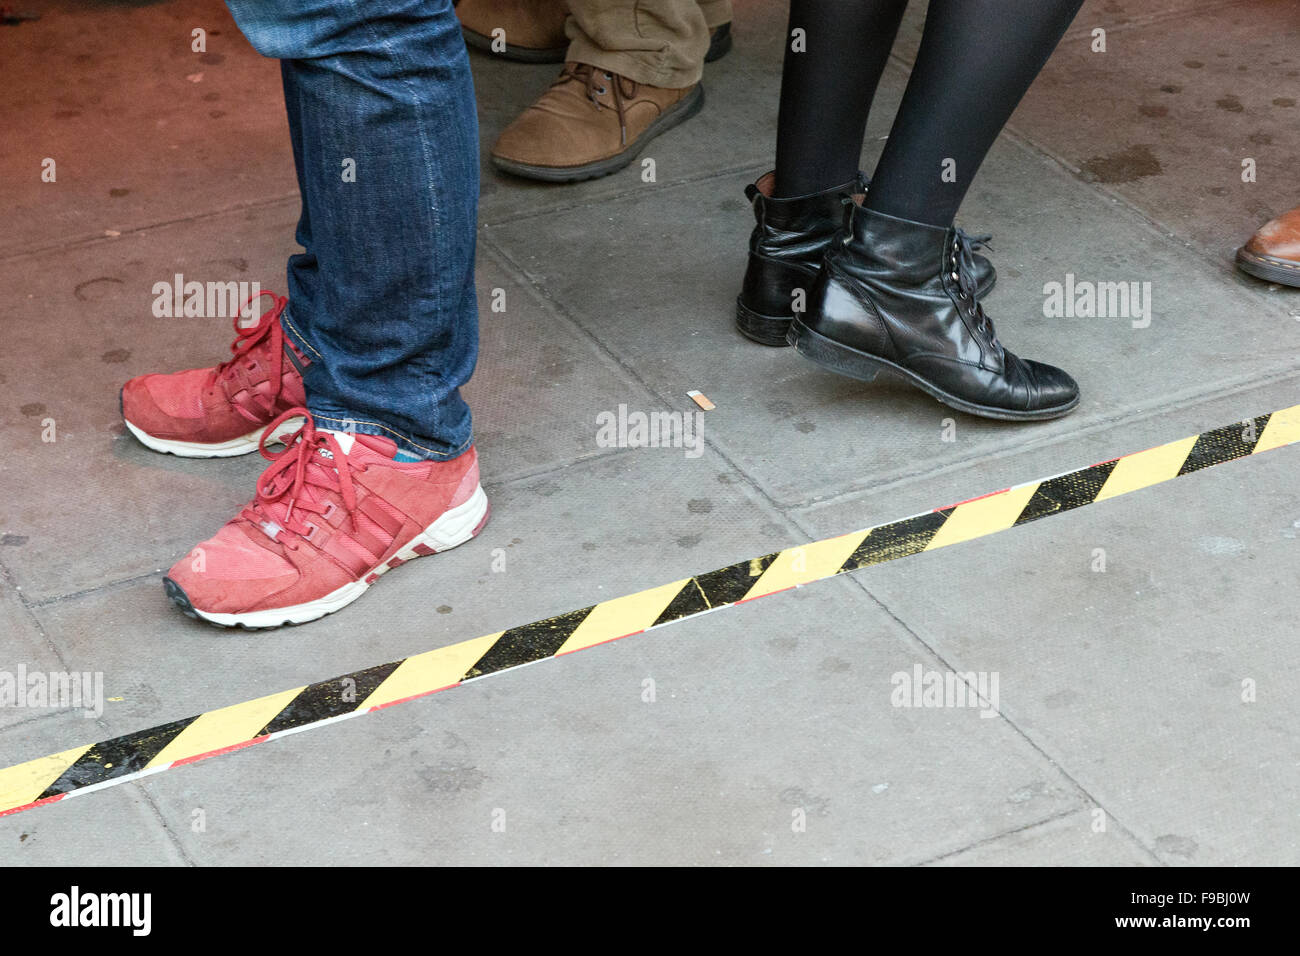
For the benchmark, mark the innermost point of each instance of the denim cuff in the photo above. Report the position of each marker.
(344, 420)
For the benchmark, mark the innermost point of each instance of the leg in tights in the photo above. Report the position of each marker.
(827, 89)
(976, 61)
(903, 295)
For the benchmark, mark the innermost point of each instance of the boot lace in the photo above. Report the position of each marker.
(295, 486)
(246, 339)
(599, 83)
(964, 247)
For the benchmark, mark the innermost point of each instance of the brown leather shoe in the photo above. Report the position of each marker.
(534, 29)
(590, 123)
(1273, 253)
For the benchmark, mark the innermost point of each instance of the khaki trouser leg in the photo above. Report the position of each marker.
(656, 42)
(716, 12)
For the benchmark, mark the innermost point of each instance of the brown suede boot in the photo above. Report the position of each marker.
(1273, 253)
(590, 123)
(534, 29)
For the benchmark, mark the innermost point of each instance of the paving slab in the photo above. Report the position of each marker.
(1133, 677)
(1075, 839)
(752, 719)
(804, 433)
(24, 651)
(1177, 105)
(142, 128)
(122, 830)
(218, 117)
(1107, 14)
(74, 340)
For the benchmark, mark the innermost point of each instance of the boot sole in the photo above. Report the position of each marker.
(720, 43)
(845, 360)
(774, 330)
(1268, 268)
(679, 113)
(452, 528)
(768, 330)
(519, 54)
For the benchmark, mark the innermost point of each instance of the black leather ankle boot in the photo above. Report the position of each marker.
(899, 296)
(785, 251)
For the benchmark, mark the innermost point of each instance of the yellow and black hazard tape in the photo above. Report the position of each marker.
(83, 769)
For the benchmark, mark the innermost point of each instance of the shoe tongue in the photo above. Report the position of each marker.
(351, 443)
(380, 446)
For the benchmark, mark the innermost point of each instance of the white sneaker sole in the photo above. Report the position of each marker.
(226, 449)
(453, 527)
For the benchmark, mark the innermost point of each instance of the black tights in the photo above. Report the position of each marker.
(976, 61)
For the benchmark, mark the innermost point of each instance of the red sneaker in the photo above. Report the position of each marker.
(220, 412)
(332, 513)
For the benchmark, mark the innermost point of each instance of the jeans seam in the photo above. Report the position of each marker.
(302, 339)
(436, 231)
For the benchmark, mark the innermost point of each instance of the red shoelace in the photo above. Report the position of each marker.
(286, 491)
(246, 339)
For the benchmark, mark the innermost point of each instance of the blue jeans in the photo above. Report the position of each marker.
(385, 142)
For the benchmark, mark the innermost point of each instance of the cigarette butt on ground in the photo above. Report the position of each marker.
(701, 400)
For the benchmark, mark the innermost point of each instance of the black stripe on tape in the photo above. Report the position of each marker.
(1224, 444)
(896, 540)
(1065, 492)
(715, 588)
(528, 643)
(329, 698)
(117, 757)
